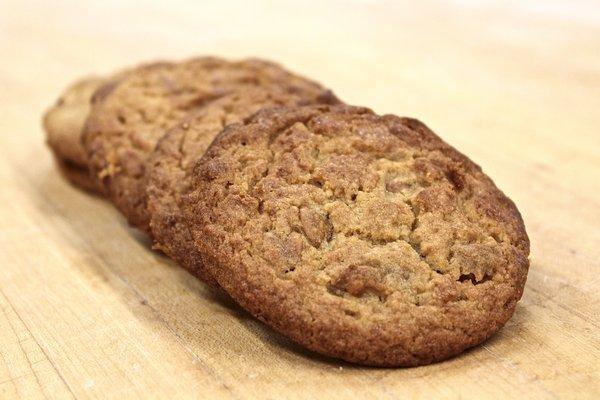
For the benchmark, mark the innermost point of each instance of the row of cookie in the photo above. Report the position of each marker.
(359, 236)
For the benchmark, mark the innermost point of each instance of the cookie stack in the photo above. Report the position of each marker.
(359, 236)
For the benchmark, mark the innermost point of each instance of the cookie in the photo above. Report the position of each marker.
(63, 124)
(128, 118)
(177, 151)
(359, 236)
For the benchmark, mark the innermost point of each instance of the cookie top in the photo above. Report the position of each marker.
(359, 236)
(63, 124)
(130, 114)
(177, 151)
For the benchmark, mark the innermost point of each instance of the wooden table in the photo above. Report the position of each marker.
(89, 311)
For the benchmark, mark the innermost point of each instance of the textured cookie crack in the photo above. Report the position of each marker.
(347, 203)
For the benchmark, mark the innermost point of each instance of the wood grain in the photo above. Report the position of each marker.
(87, 310)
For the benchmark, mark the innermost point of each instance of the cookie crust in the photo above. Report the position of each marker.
(359, 236)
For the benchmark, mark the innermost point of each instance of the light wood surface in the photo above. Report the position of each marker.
(87, 310)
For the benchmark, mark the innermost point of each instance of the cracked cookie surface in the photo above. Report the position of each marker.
(129, 115)
(177, 151)
(359, 236)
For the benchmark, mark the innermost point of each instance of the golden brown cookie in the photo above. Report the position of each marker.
(359, 236)
(130, 115)
(177, 151)
(63, 124)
